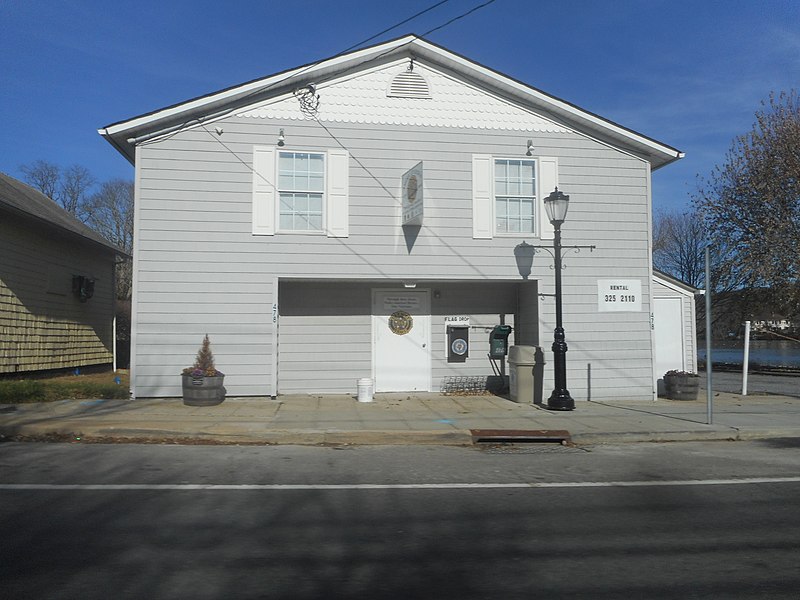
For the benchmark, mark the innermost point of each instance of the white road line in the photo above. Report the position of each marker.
(384, 486)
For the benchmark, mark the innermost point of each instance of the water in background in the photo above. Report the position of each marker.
(773, 353)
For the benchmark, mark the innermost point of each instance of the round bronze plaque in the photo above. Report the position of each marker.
(411, 189)
(400, 322)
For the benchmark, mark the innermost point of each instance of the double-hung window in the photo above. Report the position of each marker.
(515, 196)
(301, 186)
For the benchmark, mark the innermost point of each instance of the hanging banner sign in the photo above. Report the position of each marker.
(411, 191)
(619, 295)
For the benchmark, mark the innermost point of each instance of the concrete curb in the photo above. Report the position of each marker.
(731, 434)
(308, 437)
(654, 437)
(313, 437)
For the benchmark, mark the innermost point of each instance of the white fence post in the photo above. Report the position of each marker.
(746, 360)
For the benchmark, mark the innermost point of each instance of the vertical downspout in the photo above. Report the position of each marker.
(649, 283)
(135, 270)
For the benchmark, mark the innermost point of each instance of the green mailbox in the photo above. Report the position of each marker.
(498, 341)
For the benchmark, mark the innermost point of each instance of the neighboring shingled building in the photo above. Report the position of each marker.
(56, 285)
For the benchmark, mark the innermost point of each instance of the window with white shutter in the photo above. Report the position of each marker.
(507, 196)
(300, 191)
(514, 196)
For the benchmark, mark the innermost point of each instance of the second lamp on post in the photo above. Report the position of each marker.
(556, 205)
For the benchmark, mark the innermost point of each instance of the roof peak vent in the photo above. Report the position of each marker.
(409, 84)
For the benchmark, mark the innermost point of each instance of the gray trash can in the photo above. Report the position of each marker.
(521, 361)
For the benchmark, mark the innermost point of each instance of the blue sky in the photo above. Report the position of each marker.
(690, 74)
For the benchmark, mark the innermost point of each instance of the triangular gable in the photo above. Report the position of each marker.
(449, 102)
(125, 135)
(675, 284)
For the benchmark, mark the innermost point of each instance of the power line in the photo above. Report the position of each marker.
(304, 70)
(261, 90)
(251, 168)
(461, 16)
(387, 30)
(396, 200)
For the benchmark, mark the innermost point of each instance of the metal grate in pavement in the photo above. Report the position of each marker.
(531, 449)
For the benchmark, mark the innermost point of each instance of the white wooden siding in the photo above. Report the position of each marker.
(325, 331)
(195, 232)
(689, 324)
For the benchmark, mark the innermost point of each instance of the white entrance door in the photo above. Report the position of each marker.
(401, 332)
(668, 330)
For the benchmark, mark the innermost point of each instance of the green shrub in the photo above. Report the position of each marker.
(22, 391)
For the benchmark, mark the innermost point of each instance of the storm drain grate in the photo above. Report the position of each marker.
(520, 436)
(530, 449)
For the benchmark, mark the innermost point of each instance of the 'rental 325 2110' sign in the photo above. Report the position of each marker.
(619, 295)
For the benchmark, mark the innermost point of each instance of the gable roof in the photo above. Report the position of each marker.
(124, 135)
(674, 283)
(31, 204)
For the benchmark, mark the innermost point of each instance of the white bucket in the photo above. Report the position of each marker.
(365, 390)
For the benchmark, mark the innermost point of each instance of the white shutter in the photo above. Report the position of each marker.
(482, 197)
(264, 191)
(548, 180)
(337, 194)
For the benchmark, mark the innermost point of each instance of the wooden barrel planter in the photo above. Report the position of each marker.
(203, 391)
(682, 386)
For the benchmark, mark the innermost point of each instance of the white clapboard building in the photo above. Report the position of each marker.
(353, 217)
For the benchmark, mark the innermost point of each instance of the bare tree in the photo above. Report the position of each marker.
(44, 176)
(68, 187)
(750, 203)
(110, 212)
(679, 242)
(73, 187)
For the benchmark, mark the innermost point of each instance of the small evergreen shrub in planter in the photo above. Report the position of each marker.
(681, 385)
(202, 382)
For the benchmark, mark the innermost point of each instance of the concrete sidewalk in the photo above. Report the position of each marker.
(404, 419)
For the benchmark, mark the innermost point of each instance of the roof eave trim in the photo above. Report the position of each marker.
(676, 284)
(670, 154)
(122, 134)
(251, 87)
(106, 246)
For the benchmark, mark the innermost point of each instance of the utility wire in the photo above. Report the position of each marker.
(387, 30)
(397, 201)
(308, 67)
(261, 90)
(330, 133)
(461, 16)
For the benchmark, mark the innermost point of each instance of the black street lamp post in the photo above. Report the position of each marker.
(556, 205)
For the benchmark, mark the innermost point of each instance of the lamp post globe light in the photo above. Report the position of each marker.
(556, 205)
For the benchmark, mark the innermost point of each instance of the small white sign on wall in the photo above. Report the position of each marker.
(461, 320)
(619, 295)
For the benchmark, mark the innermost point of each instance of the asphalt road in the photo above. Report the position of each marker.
(757, 383)
(714, 520)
